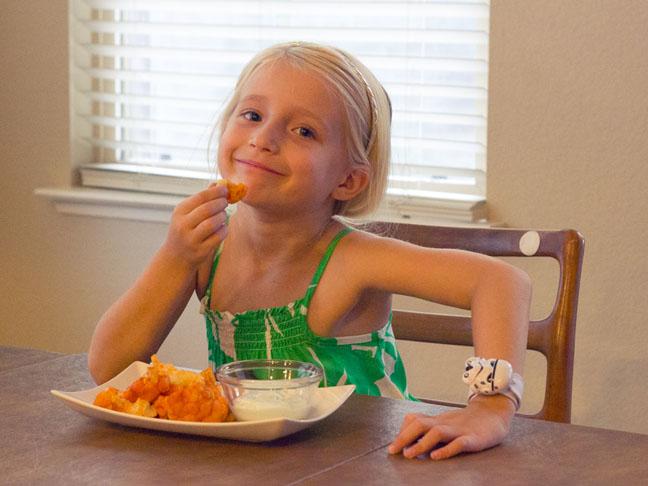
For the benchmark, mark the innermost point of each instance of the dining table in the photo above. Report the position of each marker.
(43, 441)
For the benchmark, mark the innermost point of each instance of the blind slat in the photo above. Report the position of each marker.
(469, 8)
(206, 32)
(202, 104)
(415, 87)
(207, 56)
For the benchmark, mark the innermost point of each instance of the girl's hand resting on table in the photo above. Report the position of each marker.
(198, 225)
(482, 424)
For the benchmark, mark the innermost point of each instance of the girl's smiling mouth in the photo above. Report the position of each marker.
(257, 165)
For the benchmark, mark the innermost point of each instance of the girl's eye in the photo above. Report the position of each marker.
(305, 132)
(252, 116)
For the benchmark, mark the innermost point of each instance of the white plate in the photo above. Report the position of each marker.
(326, 401)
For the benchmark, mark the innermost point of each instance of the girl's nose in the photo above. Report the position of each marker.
(265, 138)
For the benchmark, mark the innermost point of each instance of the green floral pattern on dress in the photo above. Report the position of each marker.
(370, 361)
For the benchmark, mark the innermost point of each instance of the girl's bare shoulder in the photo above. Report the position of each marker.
(362, 240)
(362, 251)
(369, 257)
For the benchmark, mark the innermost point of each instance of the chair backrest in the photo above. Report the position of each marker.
(552, 336)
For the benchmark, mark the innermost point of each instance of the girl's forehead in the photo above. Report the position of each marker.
(282, 77)
(289, 85)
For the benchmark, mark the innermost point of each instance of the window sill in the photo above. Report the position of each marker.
(150, 207)
(108, 203)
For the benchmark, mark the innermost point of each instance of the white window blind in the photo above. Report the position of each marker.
(150, 76)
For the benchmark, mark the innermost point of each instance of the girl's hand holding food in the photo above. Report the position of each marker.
(198, 226)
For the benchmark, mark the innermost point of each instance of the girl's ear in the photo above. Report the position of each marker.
(353, 184)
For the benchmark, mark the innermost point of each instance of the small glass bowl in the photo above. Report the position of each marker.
(269, 388)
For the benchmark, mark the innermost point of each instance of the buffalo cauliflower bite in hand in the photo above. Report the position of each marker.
(235, 192)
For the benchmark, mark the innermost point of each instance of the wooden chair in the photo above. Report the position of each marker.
(552, 336)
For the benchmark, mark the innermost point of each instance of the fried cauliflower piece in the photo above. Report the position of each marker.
(156, 381)
(199, 400)
(235, 192)
(167, 392)
(113, 399)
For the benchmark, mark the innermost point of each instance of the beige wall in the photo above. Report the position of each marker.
(568, 112)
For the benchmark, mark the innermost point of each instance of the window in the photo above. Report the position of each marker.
(150, 76)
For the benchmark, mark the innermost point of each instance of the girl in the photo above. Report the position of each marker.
(308, 131)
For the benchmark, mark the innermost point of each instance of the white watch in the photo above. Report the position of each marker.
(493, 377)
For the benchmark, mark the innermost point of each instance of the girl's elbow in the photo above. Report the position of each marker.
(98, 368)
(521, 281)
(504, 275)
(95, 370)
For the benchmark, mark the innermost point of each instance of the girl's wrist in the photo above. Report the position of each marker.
(176, 260)
(499, 404)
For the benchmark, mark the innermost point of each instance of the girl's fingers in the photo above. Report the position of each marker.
(420, 434)
(414, 426)
(215, 238)
(188, 205)
(205, 211)
(409, 418)
(469, 429)
(432, 438)
(452, 449)
(210, 225)
(425, 443)
(417, 420)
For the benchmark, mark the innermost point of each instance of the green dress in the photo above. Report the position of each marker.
(370, 361)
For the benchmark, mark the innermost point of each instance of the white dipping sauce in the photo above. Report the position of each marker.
(269, 404)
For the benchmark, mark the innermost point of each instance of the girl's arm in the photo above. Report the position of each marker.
(498, 295)
(135, 326)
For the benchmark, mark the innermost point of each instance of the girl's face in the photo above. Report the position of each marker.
(285, 140)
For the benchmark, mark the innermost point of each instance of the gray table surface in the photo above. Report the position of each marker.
(44, 442)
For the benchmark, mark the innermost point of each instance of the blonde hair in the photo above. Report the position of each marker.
(367, 112)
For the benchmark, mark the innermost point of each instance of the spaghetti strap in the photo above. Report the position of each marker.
(311, 287)
(207, 297)
(219, 249)
(324, 262)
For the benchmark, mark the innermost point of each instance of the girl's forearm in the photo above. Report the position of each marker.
(135, 326)
(500, 310)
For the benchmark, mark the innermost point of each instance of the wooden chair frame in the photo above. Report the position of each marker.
(552, 336)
